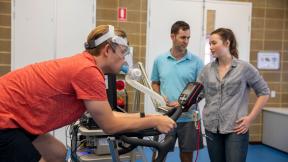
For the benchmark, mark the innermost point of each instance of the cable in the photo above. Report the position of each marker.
(198, 140)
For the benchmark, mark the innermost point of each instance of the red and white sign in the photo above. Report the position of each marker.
(122, 14)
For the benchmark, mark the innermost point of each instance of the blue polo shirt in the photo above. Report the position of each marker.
(175, 74)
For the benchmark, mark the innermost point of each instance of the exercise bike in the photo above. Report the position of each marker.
(129, 141)
(188, 97)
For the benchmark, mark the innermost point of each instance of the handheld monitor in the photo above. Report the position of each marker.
(189, 95)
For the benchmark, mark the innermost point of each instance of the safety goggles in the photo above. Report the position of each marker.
(125, 50)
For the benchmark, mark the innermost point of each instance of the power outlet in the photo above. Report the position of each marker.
(273, 94)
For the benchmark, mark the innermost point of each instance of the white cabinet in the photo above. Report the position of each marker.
(275, 128)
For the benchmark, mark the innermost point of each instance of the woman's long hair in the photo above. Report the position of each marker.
(227, 34)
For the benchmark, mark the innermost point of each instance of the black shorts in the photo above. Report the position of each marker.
(16, 145)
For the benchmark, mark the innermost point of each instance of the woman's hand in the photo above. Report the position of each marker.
(170, 103)
(242, 125)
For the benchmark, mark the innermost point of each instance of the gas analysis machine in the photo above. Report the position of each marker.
(89, 143)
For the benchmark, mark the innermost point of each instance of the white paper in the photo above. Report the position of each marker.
(269, 60)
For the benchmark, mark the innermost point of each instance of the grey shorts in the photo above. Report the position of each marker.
(188, 137)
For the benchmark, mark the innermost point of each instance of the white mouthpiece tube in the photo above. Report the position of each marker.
(135, 74)
(135, 84)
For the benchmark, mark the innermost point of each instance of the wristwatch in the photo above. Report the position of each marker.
(142, 114)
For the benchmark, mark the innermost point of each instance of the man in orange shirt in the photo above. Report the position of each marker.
(45, 96)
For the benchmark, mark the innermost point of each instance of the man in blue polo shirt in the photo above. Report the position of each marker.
(170, 74)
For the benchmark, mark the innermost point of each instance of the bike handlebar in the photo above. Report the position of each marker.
(162, 148)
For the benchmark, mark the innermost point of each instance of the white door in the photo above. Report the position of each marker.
(75, 20)
(237, 17)
(49, 29)
(33, 27)
(161, 16)
(163, 13)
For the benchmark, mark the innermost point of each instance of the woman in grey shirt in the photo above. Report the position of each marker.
(227, 82)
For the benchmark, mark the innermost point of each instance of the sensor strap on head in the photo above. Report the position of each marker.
(106, 36)
(110, 34)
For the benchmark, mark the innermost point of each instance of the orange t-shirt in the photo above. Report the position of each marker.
(44, 96)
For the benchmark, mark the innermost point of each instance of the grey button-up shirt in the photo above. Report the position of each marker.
(227, 99)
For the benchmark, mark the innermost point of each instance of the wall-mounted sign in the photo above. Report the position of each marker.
(268, 60)
(122, 14)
